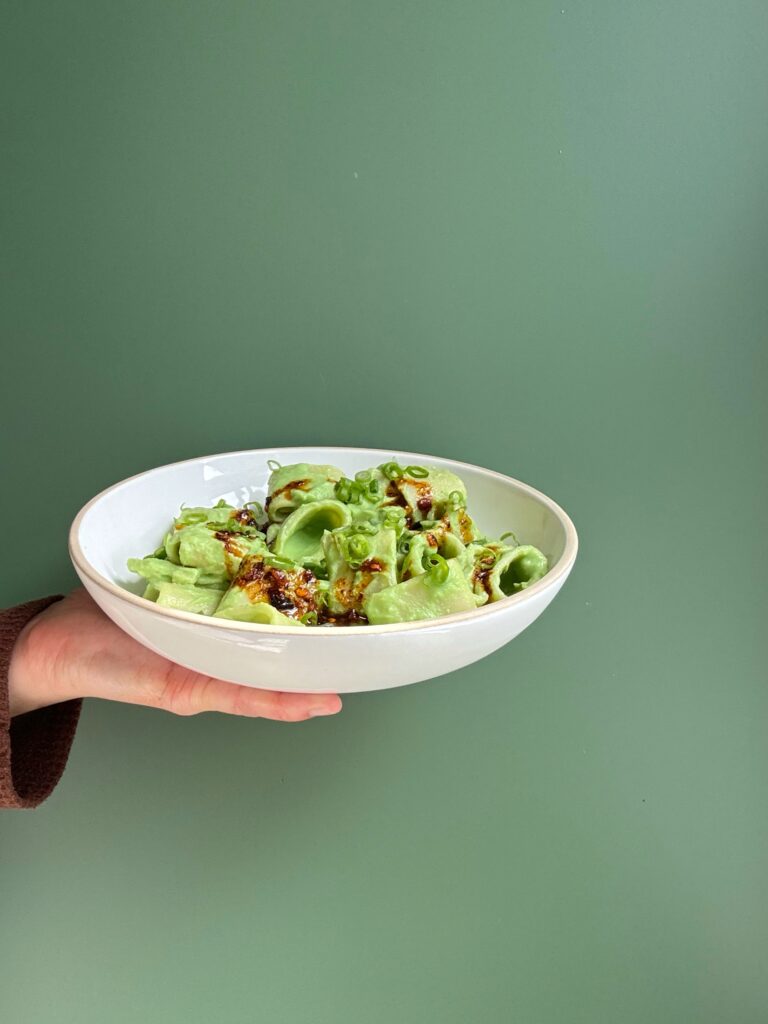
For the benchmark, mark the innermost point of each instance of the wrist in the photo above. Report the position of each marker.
(29, 683)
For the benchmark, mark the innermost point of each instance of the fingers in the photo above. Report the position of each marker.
(187, 693)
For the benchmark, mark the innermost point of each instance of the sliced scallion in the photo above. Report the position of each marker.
(343, 489)
(437, 568)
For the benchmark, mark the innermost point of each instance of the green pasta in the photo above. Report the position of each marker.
(393, 543)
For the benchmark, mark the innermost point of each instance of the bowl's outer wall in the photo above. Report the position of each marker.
(343, 664)
(345, 661)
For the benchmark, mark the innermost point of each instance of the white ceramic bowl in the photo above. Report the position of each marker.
(131, 518)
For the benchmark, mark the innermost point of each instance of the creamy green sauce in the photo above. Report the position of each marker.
(393, 544)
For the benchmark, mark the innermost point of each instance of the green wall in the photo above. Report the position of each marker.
(523, 235)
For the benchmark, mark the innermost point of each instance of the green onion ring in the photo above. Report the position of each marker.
(391, 470)
(358, 547)
(343, 489)
(355, 492)
(437, 568)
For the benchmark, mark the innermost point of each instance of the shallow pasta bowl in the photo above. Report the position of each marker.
(133, 515)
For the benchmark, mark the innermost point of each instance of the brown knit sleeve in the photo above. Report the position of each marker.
(33, 747)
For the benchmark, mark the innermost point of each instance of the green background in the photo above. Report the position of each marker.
(525, 235)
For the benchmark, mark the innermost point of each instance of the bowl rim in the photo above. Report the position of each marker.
(560, 570)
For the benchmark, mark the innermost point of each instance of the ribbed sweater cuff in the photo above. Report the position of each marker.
(33, 747)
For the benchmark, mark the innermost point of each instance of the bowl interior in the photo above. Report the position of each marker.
(132, 518)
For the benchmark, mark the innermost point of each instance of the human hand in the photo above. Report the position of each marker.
(73, 650)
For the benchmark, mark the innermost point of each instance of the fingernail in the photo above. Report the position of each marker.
(323, 709)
